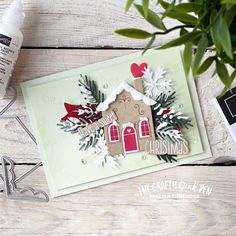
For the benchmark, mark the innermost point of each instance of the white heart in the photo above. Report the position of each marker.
(128, 130)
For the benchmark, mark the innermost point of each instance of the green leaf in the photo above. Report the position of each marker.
(187, 7)
(148, 46)
(201, 49)
(145, 7)
(223, 74)
(214, 73)
(227, 60)
(214, 31)
(155, 20)
(182, 17)
(229, 1)
(128, 5)
(229, 15)
(223, 92)
(229, 6)
(183, 31)
(224, 36)
(187, 57)
(134, 33)
(152, 17)
(233, 40)
(220, 34)
(233, 75)
(182, 39)
(205, 65)
(164, 4)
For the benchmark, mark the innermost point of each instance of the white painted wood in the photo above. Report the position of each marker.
(119, 209)
(69, 23)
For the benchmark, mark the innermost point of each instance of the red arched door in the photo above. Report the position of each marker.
(129, 139)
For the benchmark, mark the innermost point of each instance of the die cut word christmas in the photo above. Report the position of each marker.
(158, 147)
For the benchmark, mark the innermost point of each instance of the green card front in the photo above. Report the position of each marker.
(69, 169)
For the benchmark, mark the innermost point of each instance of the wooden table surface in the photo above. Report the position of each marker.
(61, 35)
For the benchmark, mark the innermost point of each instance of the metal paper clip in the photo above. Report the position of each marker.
(11, 190)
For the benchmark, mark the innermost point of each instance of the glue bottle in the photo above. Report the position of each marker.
(11, 40)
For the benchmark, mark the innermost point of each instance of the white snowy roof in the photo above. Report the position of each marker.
(124, 86)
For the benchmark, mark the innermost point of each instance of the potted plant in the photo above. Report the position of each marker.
(203, 24)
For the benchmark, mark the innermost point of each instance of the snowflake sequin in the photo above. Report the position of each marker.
(155, 82)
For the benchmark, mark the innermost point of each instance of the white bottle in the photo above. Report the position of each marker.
(11, 40)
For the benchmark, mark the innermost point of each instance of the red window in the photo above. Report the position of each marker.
(144, 128)
(113, 133)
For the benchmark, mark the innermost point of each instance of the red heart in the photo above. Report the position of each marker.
(137, 70)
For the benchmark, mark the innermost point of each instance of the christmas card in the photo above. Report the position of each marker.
(115, 119)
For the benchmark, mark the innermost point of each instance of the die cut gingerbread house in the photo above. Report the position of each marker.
(134, 124)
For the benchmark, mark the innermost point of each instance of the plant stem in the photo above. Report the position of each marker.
(174, 28)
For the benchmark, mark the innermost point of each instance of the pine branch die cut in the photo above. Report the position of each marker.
(70, 125)
(89, 141)
(168, 134)
(90, 91)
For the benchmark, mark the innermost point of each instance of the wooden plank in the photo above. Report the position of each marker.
(120, 208)
(36, 63)
(68, 23)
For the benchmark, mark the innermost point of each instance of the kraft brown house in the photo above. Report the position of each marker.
(134, 124)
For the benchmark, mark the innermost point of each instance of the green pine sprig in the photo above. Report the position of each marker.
(169, 134)
(174, 122)
(71, 125)
(89, 141)
(178, 121)
(167, 158)
(90, 90)
(164, 101)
